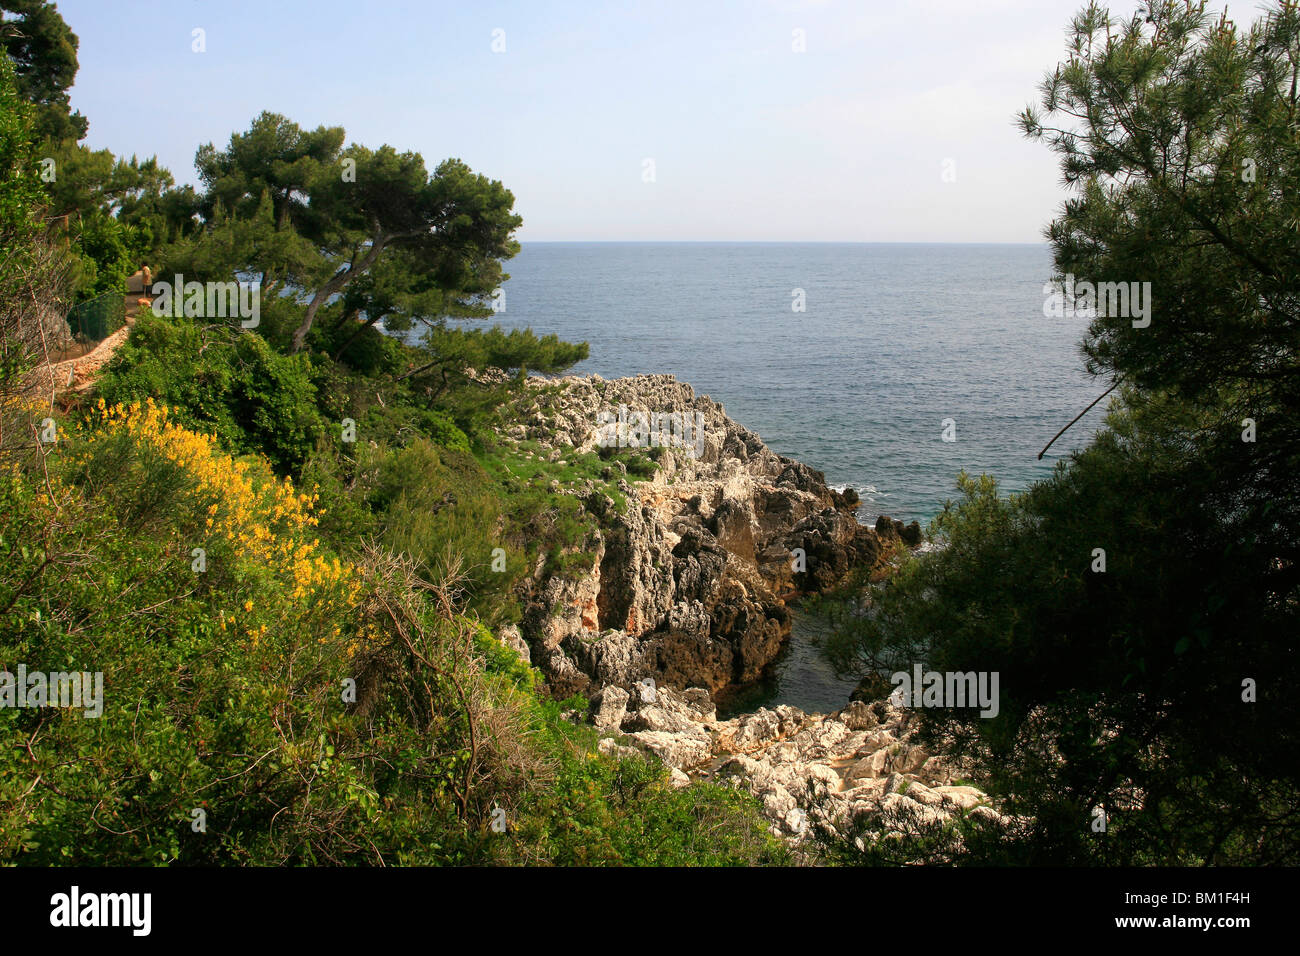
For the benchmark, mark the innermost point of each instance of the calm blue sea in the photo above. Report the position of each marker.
(894, 339)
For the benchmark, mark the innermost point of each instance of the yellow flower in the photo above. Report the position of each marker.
(264, 519)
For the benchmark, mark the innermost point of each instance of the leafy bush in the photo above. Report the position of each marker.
(225, 735)
(218, 378)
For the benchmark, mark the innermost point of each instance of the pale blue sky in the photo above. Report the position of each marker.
(750, 140)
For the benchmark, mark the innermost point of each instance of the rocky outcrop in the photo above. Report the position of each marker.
(688, 582)
(838, 774)
(684, 595)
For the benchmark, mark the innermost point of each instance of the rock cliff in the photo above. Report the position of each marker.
(689, 582)
(685, 597)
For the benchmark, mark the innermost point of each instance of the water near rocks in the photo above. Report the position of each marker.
(894, 340)
(801, 676)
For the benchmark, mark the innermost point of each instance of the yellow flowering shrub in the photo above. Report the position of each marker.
(263, 520)
(21, 420)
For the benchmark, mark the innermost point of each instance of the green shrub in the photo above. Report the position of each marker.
(224, 380)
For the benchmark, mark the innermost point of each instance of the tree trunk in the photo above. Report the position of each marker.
(417, 371)
(334, 284)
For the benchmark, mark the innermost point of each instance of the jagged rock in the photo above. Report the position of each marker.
(698, 699)
(900, 809)
(835, 775)
(825, 538)
(908, 759)
(865, 793)
(829, 741)
(778, 802)
(564, 678)
(690, 619)
(967, 798)
(615, 657)
(679, 750)
(822, 779)
(697, 566)
(879, 739)
(989, 815)
(608, 707)
(872, 766)
(936, 769)
(755, 730)
(683, 583)
(859, 716)
(682, 659)
(510, 636)
(888, 528)
(791, 718)
(740, 766)
(922, 794)
(668, 712)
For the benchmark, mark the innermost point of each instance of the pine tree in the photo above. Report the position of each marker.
(1162, 688)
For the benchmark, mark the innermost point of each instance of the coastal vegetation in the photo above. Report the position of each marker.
(1142, 605)
(293, 548)
(295, 628)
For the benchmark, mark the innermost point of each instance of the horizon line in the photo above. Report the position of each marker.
(786, 242)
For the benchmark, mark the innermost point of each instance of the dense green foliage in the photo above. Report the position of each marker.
(44, 51)
(34, 271)
(288, 677)
(114, 214)
(395, 243)
(223, 694)
(20, 190)
(236, 386)
(289, 550)
(222, 686)
(1157, 687)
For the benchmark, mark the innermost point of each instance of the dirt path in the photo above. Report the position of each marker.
(79, 372)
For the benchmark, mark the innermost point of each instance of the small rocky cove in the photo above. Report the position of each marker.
(686, 601)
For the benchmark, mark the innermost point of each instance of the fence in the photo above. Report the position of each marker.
(98, 318)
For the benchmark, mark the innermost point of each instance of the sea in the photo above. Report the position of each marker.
(889, 367)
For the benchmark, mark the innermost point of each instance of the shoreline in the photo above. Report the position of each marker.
(691, 572)
(685, 604)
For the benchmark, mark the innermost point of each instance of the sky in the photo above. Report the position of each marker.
(622, 121)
